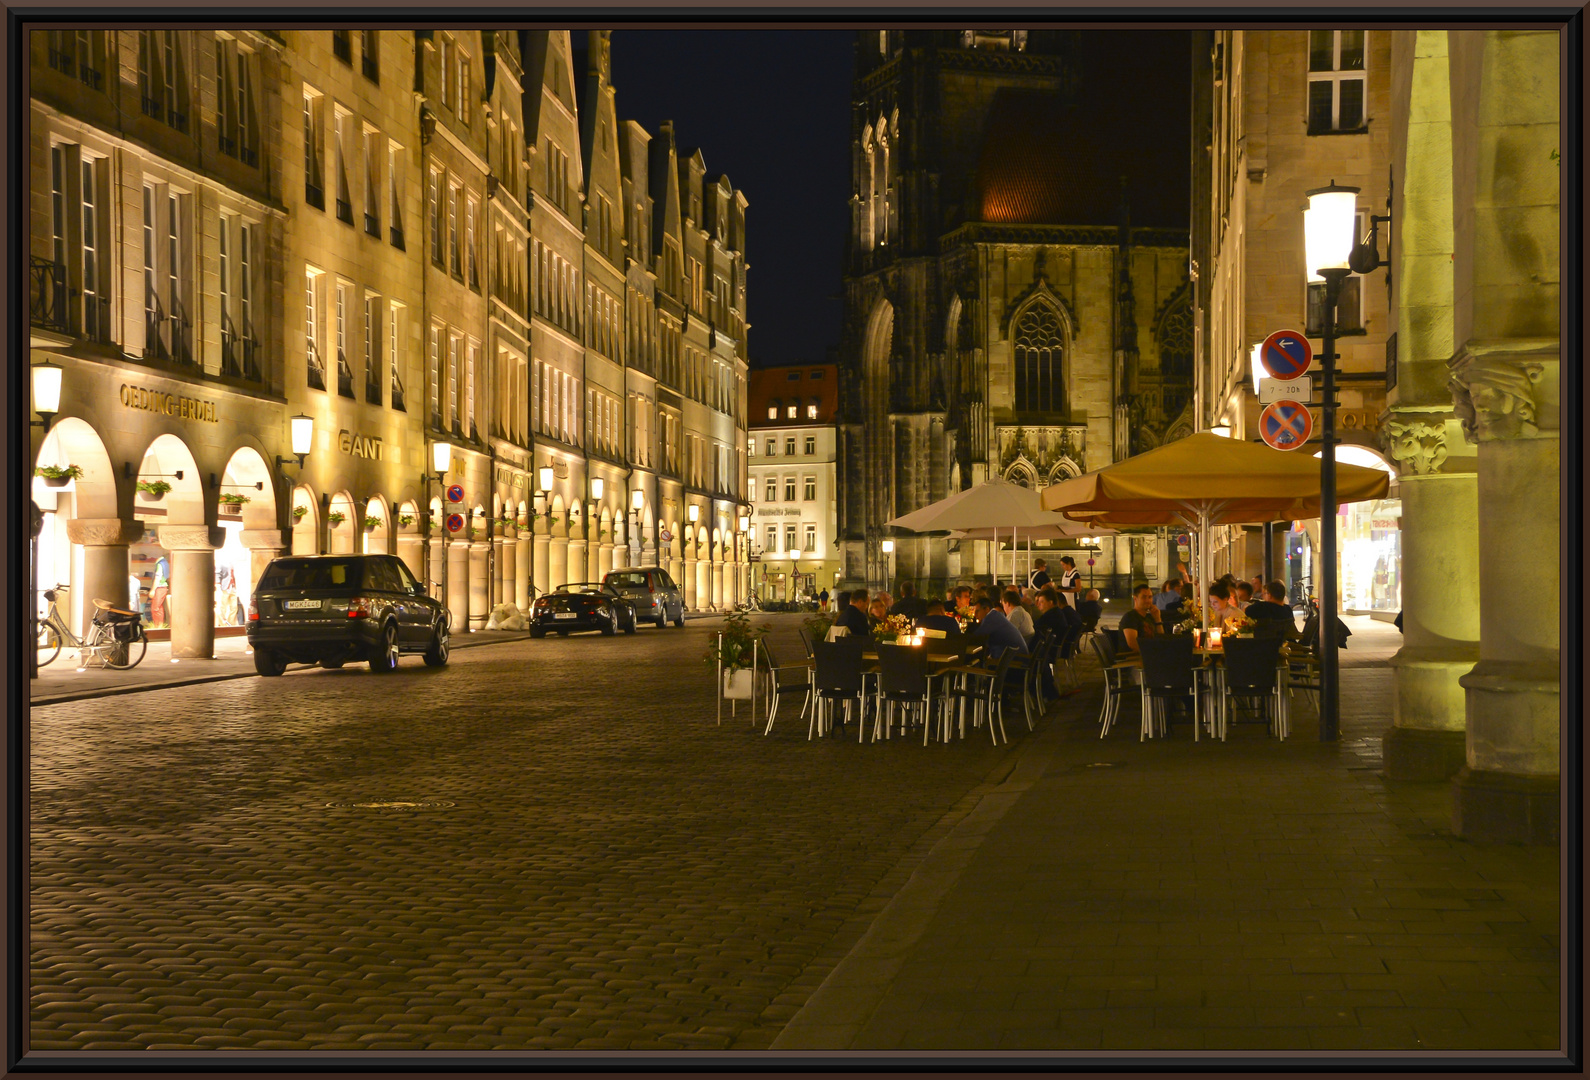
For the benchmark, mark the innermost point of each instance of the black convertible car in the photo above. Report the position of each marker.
(582, 606)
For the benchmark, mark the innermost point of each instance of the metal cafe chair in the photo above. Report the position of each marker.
(1169, 672)
(778, 687)
(1066, 654)
(984, 689)
(1114, 680)
(1031, 671)
(1252, 673)
(836, 678)
(903, 680)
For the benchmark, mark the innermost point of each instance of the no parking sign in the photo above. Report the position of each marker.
(1286, 425)
(1286, 354)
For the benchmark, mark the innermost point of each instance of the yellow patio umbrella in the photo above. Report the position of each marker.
(1205, 480)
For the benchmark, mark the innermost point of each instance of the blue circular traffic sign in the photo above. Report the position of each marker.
(1286, 425)
(455, 493)
(1286, 354)
(455, 522)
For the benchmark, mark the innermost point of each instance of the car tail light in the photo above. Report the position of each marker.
(253, 611)
(361, 607)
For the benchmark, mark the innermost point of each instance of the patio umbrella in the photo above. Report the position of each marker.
(999, 507)
(1204, 480)
(1060, 528)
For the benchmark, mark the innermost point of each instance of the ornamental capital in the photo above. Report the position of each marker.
(1417, 446)
(104, 532)
(1493, 391)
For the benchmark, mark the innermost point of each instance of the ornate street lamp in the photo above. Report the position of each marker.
(1328, 241)
(441, 461)
(303, 439)
(47, 392)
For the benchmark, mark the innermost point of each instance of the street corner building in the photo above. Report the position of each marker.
(420, 293)
(1017, 298)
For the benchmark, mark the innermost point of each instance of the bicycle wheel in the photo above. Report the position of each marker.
(133, 651)
(49, 643)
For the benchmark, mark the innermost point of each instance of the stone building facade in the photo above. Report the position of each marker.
(395, 235)
(1283, 112)
(791, 472)
(1015, 295)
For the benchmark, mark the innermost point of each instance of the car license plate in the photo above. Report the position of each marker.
(567, 615)
(300, 605)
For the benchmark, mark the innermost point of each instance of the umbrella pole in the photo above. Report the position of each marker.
(1203, 566)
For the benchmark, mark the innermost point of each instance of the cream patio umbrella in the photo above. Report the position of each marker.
(1060, 528)
(994, 508)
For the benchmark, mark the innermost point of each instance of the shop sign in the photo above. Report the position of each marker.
(155, 401)
(1385, 523)
(359, 445)
(513, 479)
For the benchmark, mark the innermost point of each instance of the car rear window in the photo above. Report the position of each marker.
(630, 578)
(313, 574)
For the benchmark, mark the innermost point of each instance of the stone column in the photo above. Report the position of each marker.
(1440, 599)
(604, 559)
(703, 584)
(192, 600)
(435, 583)
(411, 549)
(521, 570)
(479, 555)
(263, 546)
(715, 584)
(507, 570)
(496, 569)
(106, 567)
(689, 583)
(578, 570)
(1508, 790)
(459, 585)
(557, 562)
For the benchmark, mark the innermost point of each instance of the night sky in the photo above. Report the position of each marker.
(771, 109)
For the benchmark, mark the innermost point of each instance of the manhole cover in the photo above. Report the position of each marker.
(1104, 765)
(388, 805)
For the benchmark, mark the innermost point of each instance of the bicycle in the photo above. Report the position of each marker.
(116, 638)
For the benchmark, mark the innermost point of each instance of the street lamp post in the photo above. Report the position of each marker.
(441, 461)
(887, 561)
(1329, 239)
(637, 502)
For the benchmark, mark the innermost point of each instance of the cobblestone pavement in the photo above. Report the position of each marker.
(547, 844)
(1244, 896)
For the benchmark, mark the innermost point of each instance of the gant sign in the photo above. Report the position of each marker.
(359, 446)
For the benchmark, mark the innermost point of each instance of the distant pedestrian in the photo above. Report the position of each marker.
(822, 600)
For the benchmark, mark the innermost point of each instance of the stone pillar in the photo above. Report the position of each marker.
(435, 582)
(578, 570)
(541, 564)
(689, 583)
(496, 569)
(521, 570)
(479, 555)
(411, 549)
(604, 559)
(557, 563)
(106, 567)
(1440, 601)
(459, 585)
(716, 585)
(192, 601)
(263, 546)
(703, 584)
(507, 570)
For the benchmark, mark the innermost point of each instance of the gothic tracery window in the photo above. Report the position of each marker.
(1039, 354)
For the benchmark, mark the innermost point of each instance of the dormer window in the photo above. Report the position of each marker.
(772, 411)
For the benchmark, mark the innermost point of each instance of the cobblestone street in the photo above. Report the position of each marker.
(591, 863)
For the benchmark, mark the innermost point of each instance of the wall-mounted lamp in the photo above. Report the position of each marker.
(545, 476)
(441, 458)
(47, 392)
(692, 512)
(598, 485)
(745, 523)
(303, 439)
(637, 500)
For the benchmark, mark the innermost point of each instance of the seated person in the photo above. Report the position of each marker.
(1242, 594)
(1010, 603)
(992, 625)
(1064, 619)
(1089, 609)
(1273, 606)
(853, 615)
(1221, 604)
(962, 605)
(877, 611)
(1143, 620)
(910, 604)
(935, 619)
(1168, 596)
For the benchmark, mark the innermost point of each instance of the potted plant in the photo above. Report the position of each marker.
(58, 475)
(298, 513)
(372, 522)
(405, 520)
(336, 517)
(154, 489)
(818, 625)
(233, 499)
(734, 649)
(892, 628)
(474, 533)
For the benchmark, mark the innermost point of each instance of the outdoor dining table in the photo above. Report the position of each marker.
(943, 665)
(1214, 668)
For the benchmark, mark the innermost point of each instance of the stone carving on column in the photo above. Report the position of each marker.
(1494, 398)
(190, 537)
(104, 532)
(1417, 446)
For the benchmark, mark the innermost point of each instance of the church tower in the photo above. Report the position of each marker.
(999, 311)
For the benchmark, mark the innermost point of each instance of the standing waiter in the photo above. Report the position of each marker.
(1068, 575)
(1040, 575)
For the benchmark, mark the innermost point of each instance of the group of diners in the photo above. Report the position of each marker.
(1155, 613)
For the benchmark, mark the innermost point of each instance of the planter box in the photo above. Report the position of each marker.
(737, 684)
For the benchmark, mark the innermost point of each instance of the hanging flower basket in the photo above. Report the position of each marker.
(371, 523)
(299, 512)
(405, 520)
(336, 517)
(233, 499)
(154, 490)
(58, 476)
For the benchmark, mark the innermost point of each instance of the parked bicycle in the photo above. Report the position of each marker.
(115, 638)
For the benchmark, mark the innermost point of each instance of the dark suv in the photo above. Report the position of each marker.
(654, 594)
(330, 609)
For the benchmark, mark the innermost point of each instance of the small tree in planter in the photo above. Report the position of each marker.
(336, 517)
(733, 652)
(58, 475)
(155, 489)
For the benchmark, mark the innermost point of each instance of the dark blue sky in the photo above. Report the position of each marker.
(771, 109)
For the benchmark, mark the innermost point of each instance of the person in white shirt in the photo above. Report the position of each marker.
(1010, 602)
(1069, 575)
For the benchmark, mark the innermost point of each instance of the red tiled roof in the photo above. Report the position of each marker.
(795, 384)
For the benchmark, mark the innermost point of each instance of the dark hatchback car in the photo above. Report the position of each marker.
(330, 609)
(581, 606)
(654, 594)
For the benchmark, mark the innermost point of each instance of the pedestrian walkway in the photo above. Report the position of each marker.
(64, 681)
(1246, 895)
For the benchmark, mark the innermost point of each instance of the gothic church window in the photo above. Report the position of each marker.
(1039, 355)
